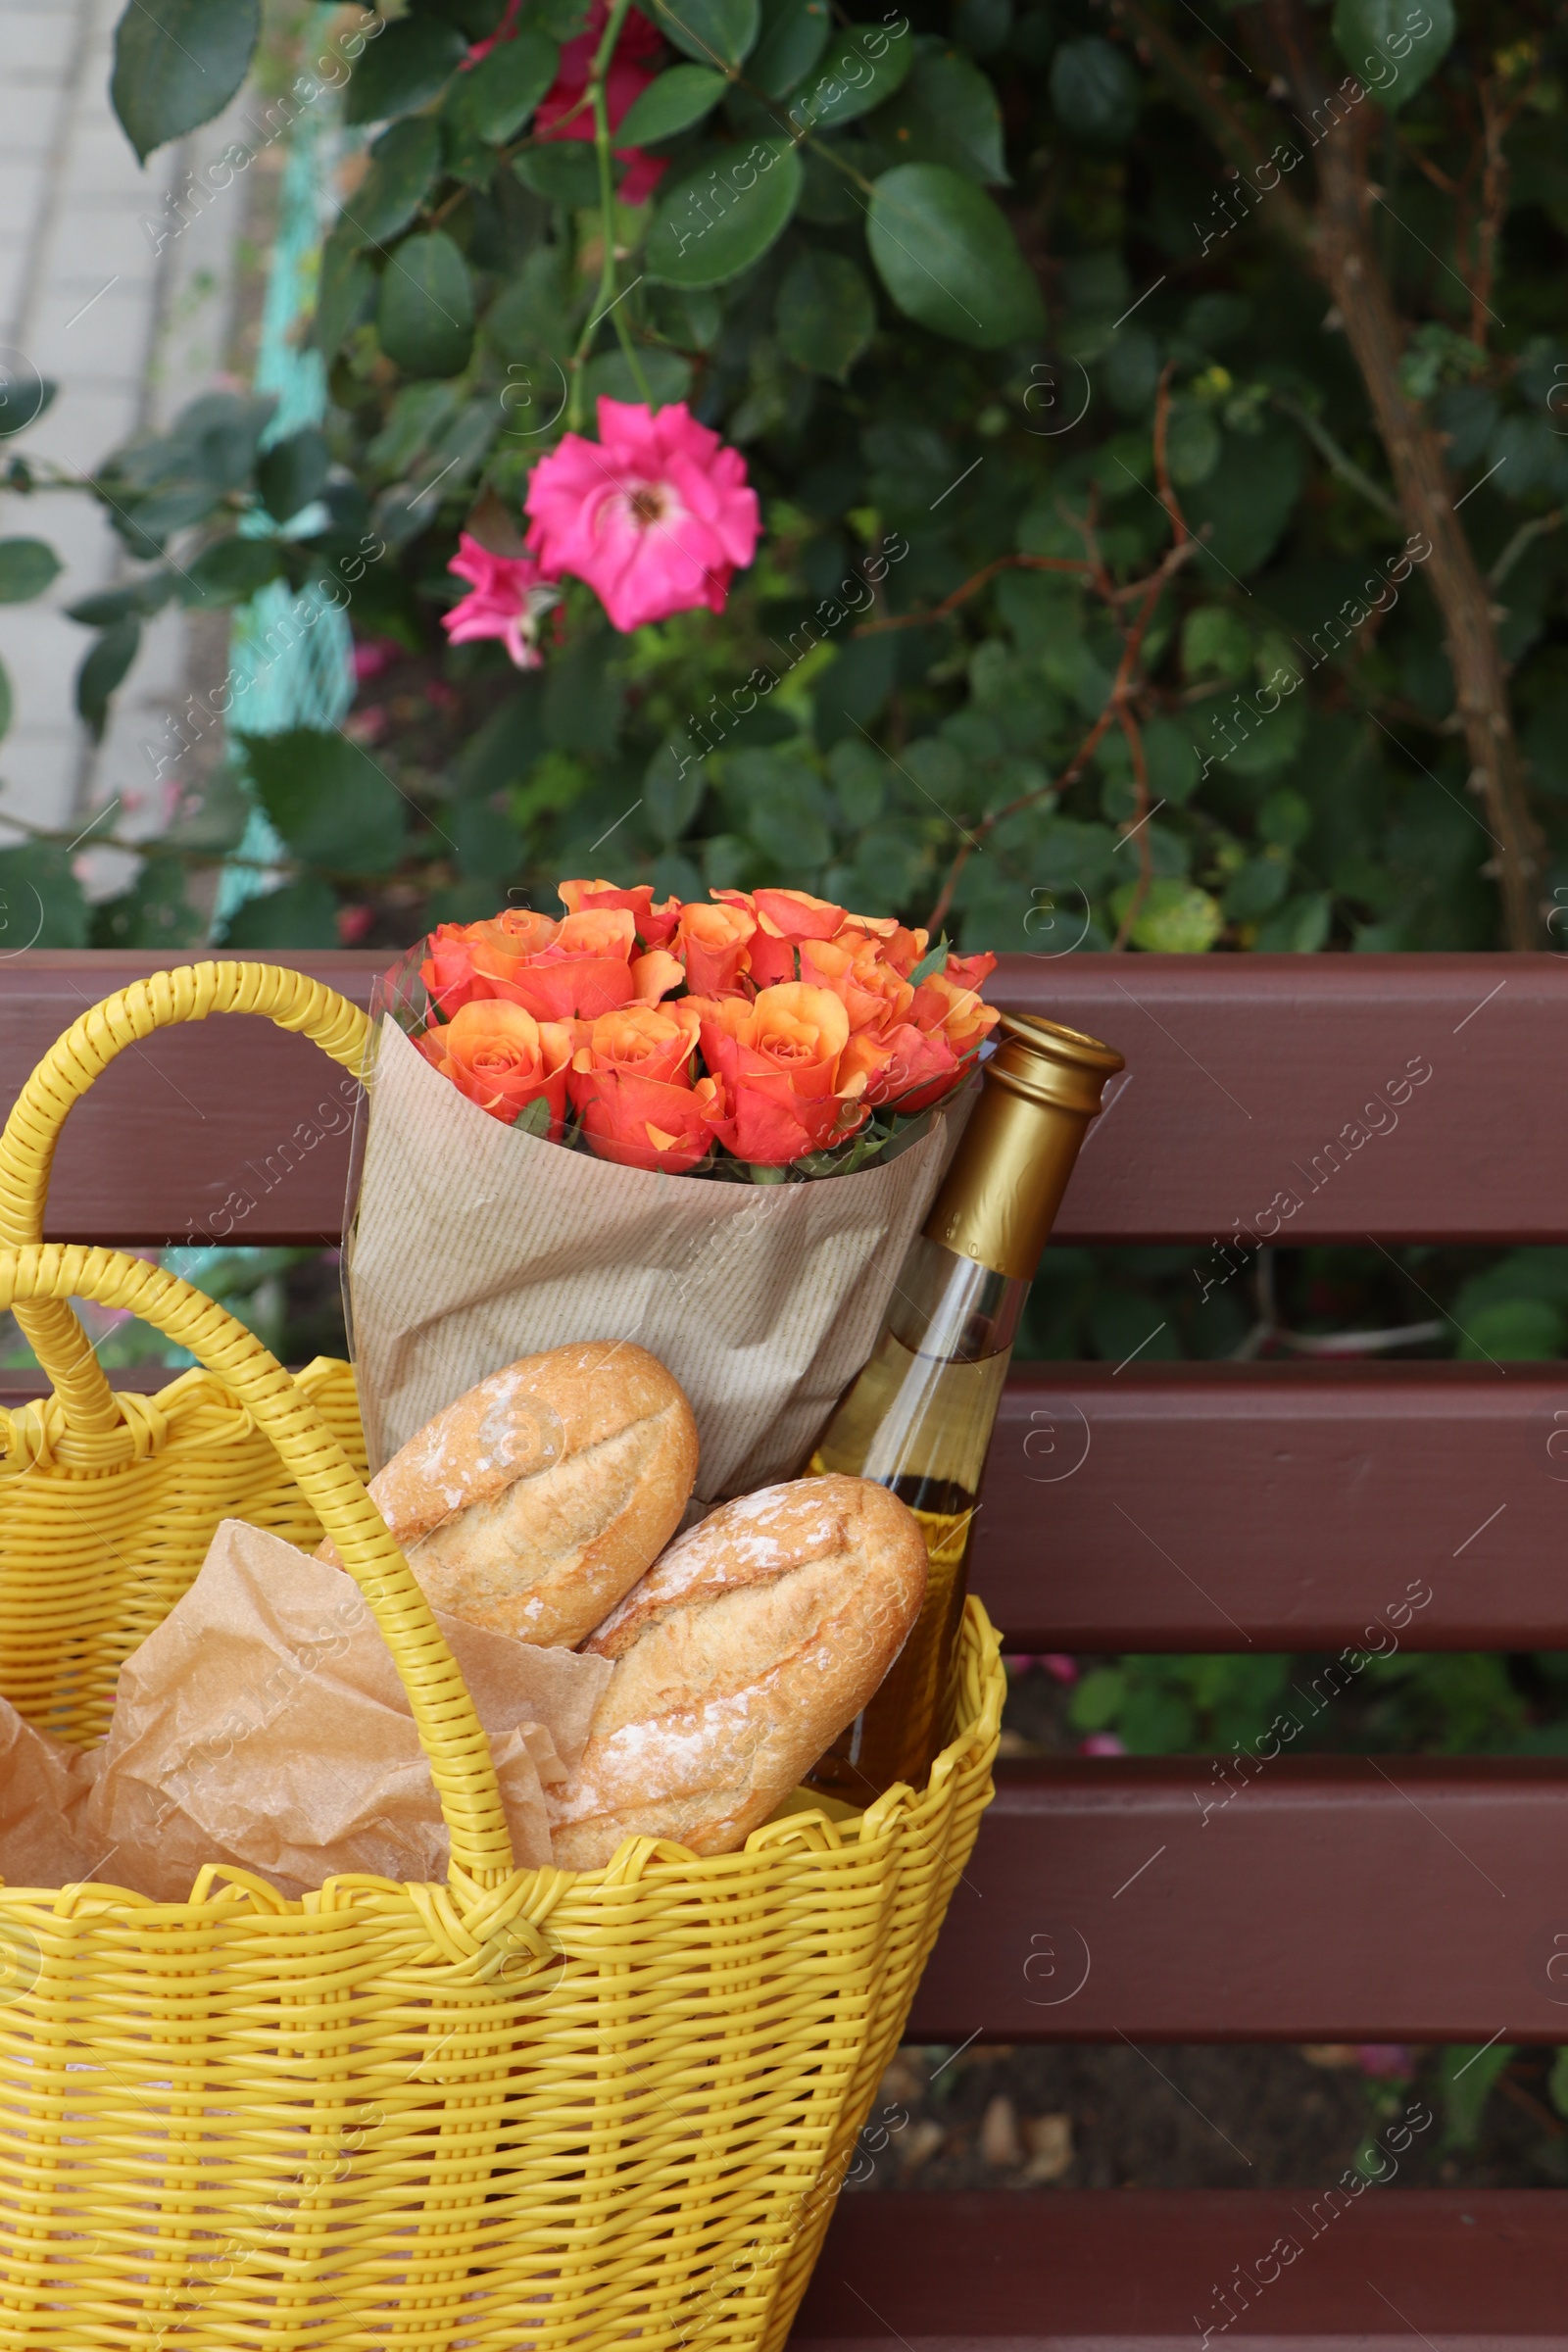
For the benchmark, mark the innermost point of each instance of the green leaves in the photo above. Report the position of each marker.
(793, 35)
(826, 314)
(425, 315)
(672, 103)
(179, 64)
(344, 292)
(231, 571)
(861, 68)
(410, 63)
(946, 113)
(946, 256)
(713, 32)
(41, 905)
(101, 673)
(1094, 90)
(1392, 46)
(292, 473)
(715, 224)
(404, 163)
(301, 914)
(498, 97)
(328, 799)
(1176, 918)
(27, 567)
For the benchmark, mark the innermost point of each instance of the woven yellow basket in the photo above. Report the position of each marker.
(524, 2109)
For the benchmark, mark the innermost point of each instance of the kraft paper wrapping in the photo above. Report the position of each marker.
(474, 1245)
(264, 1723)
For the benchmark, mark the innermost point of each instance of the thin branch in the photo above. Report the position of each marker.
(1524, 537)
(971, 587)
(1337, 459)
(1146, 849)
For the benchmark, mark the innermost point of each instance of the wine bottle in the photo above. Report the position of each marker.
(919, 1417)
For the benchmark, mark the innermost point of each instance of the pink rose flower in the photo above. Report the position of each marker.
(561, 114)
(508, 600)
(657, 515)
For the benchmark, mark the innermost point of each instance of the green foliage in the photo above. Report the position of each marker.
(179, 66)
(944, 253)
(27, 567)
(329, 801)
(688, 246)
(672, 103)
(1466, 2078)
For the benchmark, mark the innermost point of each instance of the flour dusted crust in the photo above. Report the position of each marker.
(738, 1657)
(533, 1503)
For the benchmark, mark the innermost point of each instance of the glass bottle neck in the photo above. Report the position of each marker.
(949, 1308)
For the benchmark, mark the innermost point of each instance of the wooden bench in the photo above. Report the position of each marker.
(1214, 1507)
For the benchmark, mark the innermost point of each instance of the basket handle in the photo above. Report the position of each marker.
(293, 999)
(450, 1731)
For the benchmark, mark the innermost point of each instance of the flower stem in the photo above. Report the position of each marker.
(595, 95)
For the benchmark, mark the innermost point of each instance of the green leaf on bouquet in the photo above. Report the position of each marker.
(535, 1117)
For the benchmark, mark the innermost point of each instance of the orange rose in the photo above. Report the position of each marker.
(448, 972)
(951, 1001)
(714, 942)
(903, 1068)
(501, 1059)
(872, 993)
(655, 974)
(585, 969)
(653, 923)
(784, 917)
(632, 1086)
(777, 1061)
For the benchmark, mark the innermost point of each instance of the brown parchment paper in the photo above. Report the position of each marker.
(264, 1723)
(474, 1245)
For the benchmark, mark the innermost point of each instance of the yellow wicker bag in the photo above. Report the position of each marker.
(525, 2108)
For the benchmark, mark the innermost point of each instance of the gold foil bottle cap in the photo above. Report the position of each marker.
(1037, 1093)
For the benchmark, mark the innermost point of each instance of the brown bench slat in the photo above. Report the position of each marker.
(1142, 2269)
(1235, 1506)
(1338, 1899)
(1242, 1068)
(203, 1134)
(1243, 1071)
(1228, 1506)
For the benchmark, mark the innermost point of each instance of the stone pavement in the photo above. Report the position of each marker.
(129, 333)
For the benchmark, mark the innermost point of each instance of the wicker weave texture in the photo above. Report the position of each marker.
(525, 2108)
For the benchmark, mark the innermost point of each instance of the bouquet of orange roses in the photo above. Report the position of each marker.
(543, 1091)
(763, 1034)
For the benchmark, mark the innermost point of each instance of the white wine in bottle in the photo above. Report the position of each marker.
(919, 1417)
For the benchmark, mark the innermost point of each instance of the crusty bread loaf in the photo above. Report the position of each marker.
(739, 1656)
(533, 1503)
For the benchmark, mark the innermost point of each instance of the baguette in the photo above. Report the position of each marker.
(738, 1657)
(533, 1503)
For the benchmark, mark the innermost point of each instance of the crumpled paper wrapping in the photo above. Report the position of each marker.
(474, 1245)
(264, 1723)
